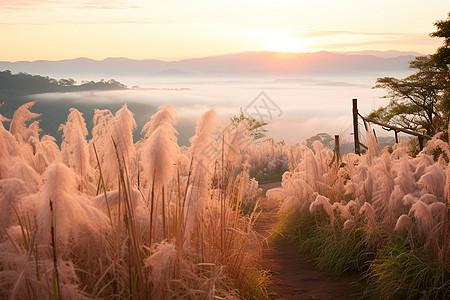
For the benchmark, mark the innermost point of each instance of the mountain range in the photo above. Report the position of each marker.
(246, 63)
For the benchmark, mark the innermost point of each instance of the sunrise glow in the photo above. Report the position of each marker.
(61, 29)
(280, 40)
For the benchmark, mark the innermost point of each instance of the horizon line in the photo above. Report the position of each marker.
(357, 52)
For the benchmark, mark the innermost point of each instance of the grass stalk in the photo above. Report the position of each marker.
(152, 205)
(134, 242)
(222, 198)
(55, 277)
(104, 187)
(163, 207)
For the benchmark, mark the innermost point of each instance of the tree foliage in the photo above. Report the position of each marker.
(420, 101)
(255, 126)
(22, 84)
(442, 55)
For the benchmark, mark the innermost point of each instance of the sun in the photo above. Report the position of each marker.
(280, 41)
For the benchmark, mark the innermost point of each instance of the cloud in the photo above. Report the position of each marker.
(21, 23)
(410, 40)
(344, 39)
(107, 4)
(113, 22)
(26, 4)
(324, 33)
(15, 5)
(69, 22)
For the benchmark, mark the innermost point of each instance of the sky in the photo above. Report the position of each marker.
(177, 29)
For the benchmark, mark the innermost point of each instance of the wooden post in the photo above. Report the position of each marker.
(396, 136)
(355, 126)
(365, 124)
(420, 142)
(337, 151)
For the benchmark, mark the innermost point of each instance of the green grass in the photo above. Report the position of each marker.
(267, 178)
(332, 249)
(404, 271)
(255, 285)
(250, 205)
(389, 266)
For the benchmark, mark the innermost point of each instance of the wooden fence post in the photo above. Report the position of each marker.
(420, 142)
(337, 151)
(355, 126)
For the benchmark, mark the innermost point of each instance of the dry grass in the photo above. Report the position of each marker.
(349, 216)
(116, 228)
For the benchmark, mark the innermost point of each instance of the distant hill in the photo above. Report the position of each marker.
(17, 89)
(246, 63)
(22, 84)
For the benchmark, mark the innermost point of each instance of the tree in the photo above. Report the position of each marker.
(66, 82)
(420, 101)
(442, 58)
(256, 127)
(322, 137)
(442, 55)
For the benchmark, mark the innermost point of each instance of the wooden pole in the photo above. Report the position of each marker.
(355, 126)
(420, 142)
(365, 124)
(337, 151)
(423, 136)
(396, 136)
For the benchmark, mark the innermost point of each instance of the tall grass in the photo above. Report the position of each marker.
(405, 271)
(268, 160)
(145, 220)
(383, 214)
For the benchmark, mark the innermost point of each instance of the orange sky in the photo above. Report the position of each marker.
(174, 29)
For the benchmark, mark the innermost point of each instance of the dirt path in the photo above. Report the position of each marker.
(292, 276)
